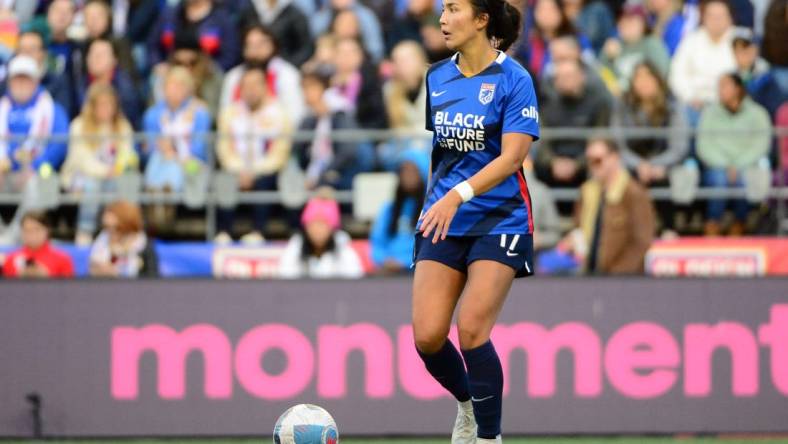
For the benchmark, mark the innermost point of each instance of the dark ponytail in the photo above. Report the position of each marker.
(504, 21)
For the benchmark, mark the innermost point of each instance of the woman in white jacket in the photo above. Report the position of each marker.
(321, 250)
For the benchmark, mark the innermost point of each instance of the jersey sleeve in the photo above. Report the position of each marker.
(427, 107)
(521, 112)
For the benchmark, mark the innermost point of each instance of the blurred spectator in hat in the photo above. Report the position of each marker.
(702, 57)
(371, 33)
(28, 118)
(205, 72)
(122, 250)
(101, 148)
(614, 217)
(59, 85)
(177, 127)
(633, 45)
(734, 136)
(255, 147)
(321, 249)
(282, 79)
(570, 101)
(285, 22)
(391, 237)
(593, 19)
(37, 258)
(647, 103)
(756, 72)
(215, 32)
(667, 22)
(102, 68)
(357, 80)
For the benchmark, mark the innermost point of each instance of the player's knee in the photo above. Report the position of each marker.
(429, 340)
(472, 334)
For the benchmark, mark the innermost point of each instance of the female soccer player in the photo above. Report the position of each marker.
(475, 231)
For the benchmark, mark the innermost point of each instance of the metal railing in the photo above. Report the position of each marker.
(779, 192)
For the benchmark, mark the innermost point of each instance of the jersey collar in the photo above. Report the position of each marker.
(456, 57)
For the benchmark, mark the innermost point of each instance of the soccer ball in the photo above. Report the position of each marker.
(306, 424)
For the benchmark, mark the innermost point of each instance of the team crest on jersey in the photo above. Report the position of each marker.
(486, 93)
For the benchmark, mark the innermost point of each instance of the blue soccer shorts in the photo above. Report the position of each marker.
(458, 252)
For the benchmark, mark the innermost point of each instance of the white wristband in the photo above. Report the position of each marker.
(465, 190)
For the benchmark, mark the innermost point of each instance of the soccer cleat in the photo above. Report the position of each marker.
(497, 440)
(465, 425)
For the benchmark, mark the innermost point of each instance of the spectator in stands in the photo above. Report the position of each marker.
(98, 24)
(702, 57)
(285, 23)
(371, 33)
(9, 30)
(132, 19)
(282, 78)
(569, 101)
(775, 51)
(550, 22)
(101, 148)
(321, 250)
(102, 68)
(756, 72)
(391, 238)
(255, 147)
(28, 117)
(781, 121)
(205, 73)
(326, 161)
(419, 14)
(734, 137)
(177, 126)
(667, 22)
(60, 16)
(647, 104)
(122, 250)
(614, 216)
(325, 53)
(59, 85)
(211, 26)
(405, 97)
(356, 79)
(593, 19)
(37, 258)
(633, 45)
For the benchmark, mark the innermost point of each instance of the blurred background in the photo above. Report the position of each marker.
(284, 139)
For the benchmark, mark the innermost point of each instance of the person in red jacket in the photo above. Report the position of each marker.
(37, 258)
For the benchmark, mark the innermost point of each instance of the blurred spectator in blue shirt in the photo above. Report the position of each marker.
(28, 110)
(177, 127)
(667, 21)
(391, 238)
(756, 72)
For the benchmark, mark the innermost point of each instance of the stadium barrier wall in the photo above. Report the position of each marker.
(201, 357)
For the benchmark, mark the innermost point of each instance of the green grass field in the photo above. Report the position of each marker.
(539, 440)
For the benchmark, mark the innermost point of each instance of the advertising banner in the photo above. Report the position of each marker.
(216, 358)
(704, 256)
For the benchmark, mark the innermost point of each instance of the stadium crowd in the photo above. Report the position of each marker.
(81, 77)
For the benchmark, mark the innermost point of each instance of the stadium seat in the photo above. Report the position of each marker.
(370, 192)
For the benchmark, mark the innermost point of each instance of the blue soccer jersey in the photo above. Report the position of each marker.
(468, 116)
